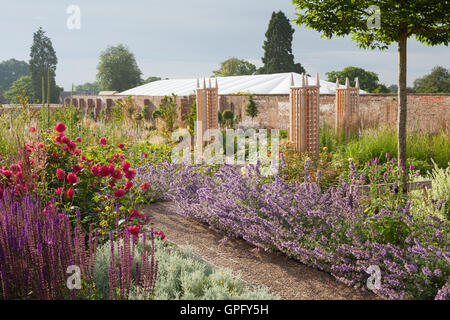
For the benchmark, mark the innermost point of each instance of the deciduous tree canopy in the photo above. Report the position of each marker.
(235, 67)
(117, 69)
(10, 71)
(428, 21)
(438, 81)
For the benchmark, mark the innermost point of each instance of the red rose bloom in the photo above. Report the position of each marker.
(60, 127)
(104, 171)
(145, 186)
(72, 145)
(119, 193)
(72, 178)
(65, 140)
(103, 141)
(133, 214)
(134, 230)
(126, 166)
(160, 233)
(111, 168)
(95, 170)
(60, 174)
(69, 193)
(117, 174)
(130, 174)
(128, 185)
(77, 168)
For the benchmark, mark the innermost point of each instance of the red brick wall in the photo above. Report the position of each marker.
(427, 112)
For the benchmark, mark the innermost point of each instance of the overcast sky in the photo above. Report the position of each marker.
(181, 39)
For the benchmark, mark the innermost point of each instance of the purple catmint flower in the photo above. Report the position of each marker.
(426, 271)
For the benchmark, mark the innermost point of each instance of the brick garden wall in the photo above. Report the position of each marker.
(425, 112)
(430, 112)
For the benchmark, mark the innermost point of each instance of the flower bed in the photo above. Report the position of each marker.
(330, 230)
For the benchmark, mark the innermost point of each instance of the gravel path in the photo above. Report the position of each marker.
(284, 277)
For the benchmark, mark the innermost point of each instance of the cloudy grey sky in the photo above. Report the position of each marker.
(179, 38)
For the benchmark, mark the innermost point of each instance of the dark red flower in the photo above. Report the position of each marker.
(77, 168)
(60, 174)
(120, 146)
(134, 230)
(126, 166)
(130, 174)
(119, 193)
(128, 185)
(69, 193)
(117, 174)
(104, 171)
(160, 233)
(72, 178)
(78, 140)
(65, 139)
(60, 127)
(95, 170)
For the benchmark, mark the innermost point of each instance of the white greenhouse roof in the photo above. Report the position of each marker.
(278, 83)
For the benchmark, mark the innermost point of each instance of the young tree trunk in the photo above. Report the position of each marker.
(402, 98)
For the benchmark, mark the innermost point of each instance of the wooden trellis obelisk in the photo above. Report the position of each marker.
(347, 107)
(207, 109)
(304, 116)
